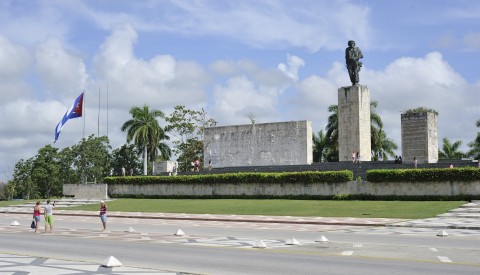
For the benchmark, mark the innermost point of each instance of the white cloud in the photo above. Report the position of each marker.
(15, 61)
(62, 72)
(239, 98)
(292, 66)
(134, 82)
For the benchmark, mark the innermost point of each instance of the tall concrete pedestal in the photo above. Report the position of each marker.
(354, 123)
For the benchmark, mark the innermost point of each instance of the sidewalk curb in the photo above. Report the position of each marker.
(283, 221)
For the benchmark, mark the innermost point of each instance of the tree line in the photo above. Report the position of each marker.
(92, 159)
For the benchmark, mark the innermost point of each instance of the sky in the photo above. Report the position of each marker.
(275, 60)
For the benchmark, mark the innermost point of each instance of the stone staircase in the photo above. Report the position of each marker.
(469, 211)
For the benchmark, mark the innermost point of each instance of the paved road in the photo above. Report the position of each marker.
(225, 247)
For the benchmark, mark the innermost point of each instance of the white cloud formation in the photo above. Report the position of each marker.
(62, 72)
(15, 61)
(312, 26)
(134, 82)
(292, 66)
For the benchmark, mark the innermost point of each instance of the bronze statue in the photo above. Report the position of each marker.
(352, 58)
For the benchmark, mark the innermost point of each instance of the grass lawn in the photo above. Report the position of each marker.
(8, 203)
(318, 208)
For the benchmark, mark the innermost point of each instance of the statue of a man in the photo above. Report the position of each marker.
(352, 58)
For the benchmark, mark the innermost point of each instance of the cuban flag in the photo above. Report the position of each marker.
(73, 112)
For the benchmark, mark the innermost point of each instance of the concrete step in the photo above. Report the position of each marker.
(470, 205)
(460, 215)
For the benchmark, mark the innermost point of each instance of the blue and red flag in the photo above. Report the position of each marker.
(73, 112)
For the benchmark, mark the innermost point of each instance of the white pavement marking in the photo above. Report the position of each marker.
(347, 253)
(444, 259)
(433, 249)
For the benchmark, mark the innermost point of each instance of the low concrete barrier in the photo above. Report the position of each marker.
(289, 189)
(86, 191)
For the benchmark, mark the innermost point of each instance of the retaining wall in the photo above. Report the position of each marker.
(287, 189)
(86, 191)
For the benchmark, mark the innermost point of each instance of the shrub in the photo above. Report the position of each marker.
(424, 175)
(284, 177)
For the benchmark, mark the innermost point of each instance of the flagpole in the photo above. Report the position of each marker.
(98, 118)
(84, 118)
(84, 113)
(107, 110)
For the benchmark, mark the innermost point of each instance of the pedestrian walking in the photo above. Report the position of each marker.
(48, 215)
(36, 216)
(103, 214)
(415, 161)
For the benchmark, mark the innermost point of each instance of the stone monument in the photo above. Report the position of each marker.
(262, 144)
(419, 135)
(354, 133)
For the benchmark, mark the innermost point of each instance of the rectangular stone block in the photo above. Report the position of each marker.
(265, 144)
(354, 133)
(419, 137)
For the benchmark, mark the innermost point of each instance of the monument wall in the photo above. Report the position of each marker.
(445, 188)
(282, 143)
(419, 137)
(354, 123)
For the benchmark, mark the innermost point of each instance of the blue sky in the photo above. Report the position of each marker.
(278, 60)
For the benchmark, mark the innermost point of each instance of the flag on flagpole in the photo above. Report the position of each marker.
(73, 112)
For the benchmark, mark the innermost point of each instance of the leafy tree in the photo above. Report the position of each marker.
(45, 172)
(22, 185)
(7, 191)
(188, 127)
(145, 132)
(92, 158)
(450, 150)
(126, 156)
(68, 171)
(474, 151)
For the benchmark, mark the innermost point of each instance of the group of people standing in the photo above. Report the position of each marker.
(48, 215)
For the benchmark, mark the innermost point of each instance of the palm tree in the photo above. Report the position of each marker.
(332, 133)
(475, 145)
(320, 146)
(449, 150)
(145, 132)
(381, 145)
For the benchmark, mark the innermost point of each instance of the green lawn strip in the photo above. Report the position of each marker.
(316, 208)
(13, 202)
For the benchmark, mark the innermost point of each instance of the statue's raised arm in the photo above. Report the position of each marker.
(352, 58)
